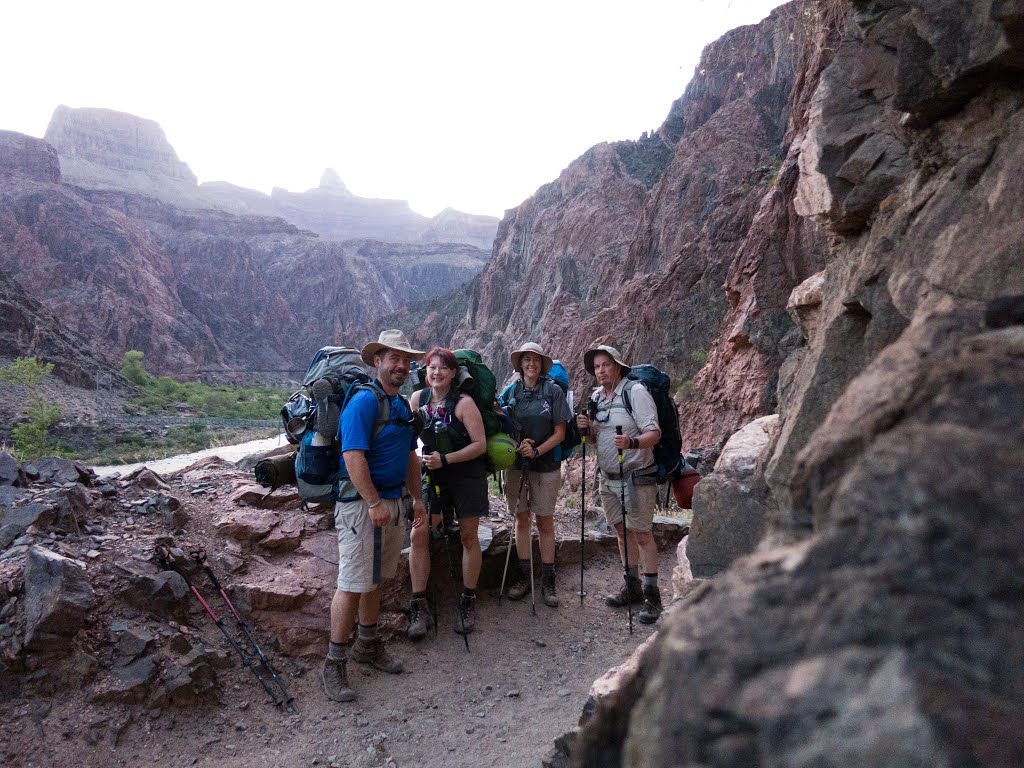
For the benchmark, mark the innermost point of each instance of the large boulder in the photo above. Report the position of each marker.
(58, 599)
(729, 506)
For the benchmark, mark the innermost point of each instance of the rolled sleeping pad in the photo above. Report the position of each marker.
(275, 471)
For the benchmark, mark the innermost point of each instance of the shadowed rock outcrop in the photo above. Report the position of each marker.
(878, 622)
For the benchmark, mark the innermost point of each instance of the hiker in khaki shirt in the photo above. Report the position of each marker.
(638, 472)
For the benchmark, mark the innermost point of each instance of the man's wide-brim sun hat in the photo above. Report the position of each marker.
(390, 339)
(588, 358)
(530, 346)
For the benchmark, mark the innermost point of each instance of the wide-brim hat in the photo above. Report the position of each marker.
(530, 346)
(390, 339)
(588, 358)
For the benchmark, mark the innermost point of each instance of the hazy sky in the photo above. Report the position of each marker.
(472, 105)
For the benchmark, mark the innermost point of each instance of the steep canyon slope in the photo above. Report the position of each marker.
(635, 240)
(131, 256)
(878, 622)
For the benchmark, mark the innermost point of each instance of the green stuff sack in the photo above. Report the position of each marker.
(501, 450)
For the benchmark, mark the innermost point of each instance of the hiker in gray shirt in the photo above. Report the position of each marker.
(638, 472)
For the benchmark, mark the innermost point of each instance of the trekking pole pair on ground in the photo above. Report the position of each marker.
(166, 561)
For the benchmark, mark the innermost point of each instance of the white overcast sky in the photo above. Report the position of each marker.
(471, 105)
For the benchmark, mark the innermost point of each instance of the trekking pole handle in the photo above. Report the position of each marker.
(618, 431)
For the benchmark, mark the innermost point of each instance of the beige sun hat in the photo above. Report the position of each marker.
(390, 339)
(530, 346)
(588, 358)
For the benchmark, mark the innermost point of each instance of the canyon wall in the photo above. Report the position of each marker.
(681, 248)
(878, 622)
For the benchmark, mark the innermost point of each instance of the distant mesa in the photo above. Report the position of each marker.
(114, 147)
(109, 150)
(332, 181)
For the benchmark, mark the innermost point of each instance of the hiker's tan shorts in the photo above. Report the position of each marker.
(367, 553)
(544, 487)
(640, 503)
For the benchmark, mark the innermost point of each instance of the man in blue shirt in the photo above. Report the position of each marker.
(378, 464)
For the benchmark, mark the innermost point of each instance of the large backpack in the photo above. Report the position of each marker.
(336, 374)
(668, 450)
(475, 379)
(557, 375)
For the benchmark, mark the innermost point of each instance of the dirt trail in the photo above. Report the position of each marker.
(523, 684)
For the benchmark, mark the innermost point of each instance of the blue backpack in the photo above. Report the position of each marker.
(311, 418)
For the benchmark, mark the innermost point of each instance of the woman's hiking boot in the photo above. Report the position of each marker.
(465, 614)
(335, 678)
(634, 594)
(372, 651)
(547, 590)
(419, 618)
(520, 586)
(651, 609)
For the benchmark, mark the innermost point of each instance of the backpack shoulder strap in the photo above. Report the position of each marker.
(630, 383)
(384, 408)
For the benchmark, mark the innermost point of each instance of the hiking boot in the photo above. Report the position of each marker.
(651, 609)
(519, 588)
(419, 618)
(547, 591)
(633, 595)
(335, 678)
(465, 615)
(373, 652)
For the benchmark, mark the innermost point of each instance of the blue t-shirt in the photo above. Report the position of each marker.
(387, 453)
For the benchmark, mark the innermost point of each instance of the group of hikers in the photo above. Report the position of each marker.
(381, 466)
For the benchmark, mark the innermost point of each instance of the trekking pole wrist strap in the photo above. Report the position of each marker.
(444, 459)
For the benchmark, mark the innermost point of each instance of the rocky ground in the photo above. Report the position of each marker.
(107, 659)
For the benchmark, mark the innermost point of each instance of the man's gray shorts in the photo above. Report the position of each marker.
(367, 553)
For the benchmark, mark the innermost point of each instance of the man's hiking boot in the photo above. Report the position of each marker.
(520, 586)
(335, 679)
(465, 615)
(373, 652)
(633, 595)
(547, 590)
(651, 609)
(419, 618)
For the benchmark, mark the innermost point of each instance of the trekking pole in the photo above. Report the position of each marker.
(431, 582)
(625, 537)
(200, 557)
(583, 512)
(529, 542)
(515, 515)
(164, 556)
(451, 566)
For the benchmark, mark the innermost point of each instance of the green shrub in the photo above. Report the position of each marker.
(32, 437)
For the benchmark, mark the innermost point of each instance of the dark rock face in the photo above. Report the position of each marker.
(729, 510)
(878, 621)
(22, 155)
(57, 599)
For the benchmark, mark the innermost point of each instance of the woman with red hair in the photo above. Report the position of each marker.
(454, 445)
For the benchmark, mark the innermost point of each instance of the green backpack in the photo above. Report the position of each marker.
(476, 380)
